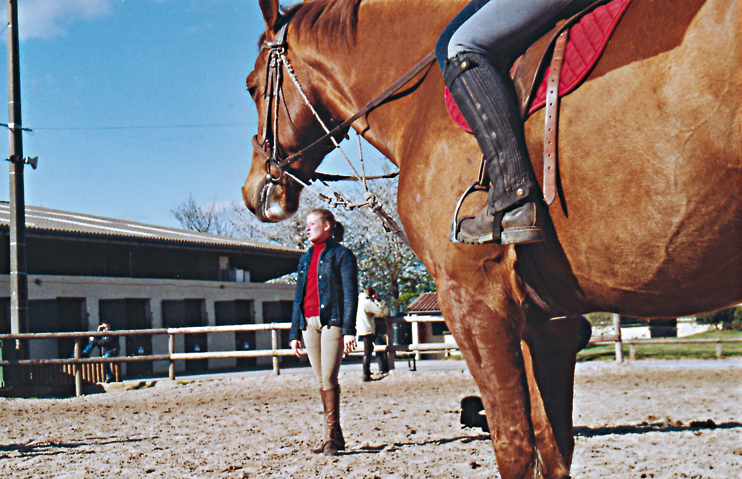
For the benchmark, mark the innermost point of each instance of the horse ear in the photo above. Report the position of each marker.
(270, 13)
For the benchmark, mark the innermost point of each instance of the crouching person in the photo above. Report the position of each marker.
(109, 348)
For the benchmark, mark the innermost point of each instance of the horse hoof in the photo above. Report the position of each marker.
(330, 449)
(471, 413)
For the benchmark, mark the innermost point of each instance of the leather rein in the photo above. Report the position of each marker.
(268, 147)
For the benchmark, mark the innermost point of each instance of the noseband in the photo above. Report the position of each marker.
(268, 145)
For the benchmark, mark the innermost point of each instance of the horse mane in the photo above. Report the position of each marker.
(331, 21)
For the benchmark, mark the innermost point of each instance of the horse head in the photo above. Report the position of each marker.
(287, 90)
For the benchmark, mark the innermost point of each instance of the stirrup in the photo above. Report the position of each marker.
(475, 187)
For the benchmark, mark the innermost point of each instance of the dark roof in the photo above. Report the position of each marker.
(45, 219)
(425, 303)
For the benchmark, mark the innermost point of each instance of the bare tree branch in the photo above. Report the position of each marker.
(208, 218)
(384, 262)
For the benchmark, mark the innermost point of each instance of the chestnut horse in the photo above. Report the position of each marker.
(647, 222)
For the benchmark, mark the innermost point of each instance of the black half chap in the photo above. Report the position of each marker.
(475, 52)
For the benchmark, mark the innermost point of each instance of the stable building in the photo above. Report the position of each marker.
(84, 270)
(426, 306)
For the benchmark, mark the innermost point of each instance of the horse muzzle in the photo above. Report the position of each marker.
(266, 200)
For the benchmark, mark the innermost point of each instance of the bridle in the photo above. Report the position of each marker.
(268, 146)
(277, 57)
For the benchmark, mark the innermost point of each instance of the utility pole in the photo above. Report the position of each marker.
(18, 273)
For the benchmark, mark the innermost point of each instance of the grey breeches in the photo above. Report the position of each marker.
(498, 24)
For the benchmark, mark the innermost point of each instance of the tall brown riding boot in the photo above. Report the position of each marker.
(321, 448)
(334, 440)
(338, 431)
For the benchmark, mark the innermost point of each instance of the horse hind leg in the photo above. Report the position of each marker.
(550, 352)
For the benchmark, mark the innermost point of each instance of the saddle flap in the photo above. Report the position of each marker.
(587, 39)
(530, 66)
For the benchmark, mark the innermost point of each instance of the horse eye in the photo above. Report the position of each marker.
(251, 90)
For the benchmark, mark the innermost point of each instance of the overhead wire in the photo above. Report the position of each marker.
(137, 127)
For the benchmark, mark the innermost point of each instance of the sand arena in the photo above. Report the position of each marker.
(645, 419)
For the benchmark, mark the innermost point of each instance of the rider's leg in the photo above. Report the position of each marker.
(486, 101)
(483, 31)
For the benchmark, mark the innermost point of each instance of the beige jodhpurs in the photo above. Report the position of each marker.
(325, 350)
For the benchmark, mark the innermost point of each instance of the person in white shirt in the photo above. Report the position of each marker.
(368, 309)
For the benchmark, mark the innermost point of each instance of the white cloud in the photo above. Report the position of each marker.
(48, 18)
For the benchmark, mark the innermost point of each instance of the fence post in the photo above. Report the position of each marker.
(170, 352)
(619, 342)
(632, 351)
(78, 370)
(274, 345)
(718, 350)
(416, 340)
(391, 340)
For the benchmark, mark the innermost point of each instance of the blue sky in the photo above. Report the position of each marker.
(135, 104)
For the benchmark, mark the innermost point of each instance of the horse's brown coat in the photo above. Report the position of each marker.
(649, 212)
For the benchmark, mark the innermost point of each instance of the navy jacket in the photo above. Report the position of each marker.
(337, 281)
(108, 345)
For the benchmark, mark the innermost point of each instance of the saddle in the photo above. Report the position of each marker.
(552, 67)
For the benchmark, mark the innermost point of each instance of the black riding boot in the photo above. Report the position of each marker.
(366, 368)
(488, 102)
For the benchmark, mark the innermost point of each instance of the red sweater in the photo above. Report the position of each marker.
(311, 294)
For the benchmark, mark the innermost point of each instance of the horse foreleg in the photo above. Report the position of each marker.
(490, 340)
(550, 350)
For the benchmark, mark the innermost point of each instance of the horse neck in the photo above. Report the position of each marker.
(393, 35)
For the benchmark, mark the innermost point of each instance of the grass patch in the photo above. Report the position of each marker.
(669, 351)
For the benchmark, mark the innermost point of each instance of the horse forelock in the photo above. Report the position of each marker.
(334, 22)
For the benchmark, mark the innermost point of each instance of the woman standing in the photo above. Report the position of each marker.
(324, 311)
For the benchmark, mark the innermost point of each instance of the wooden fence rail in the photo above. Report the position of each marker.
(77, 364)
(633, 343)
